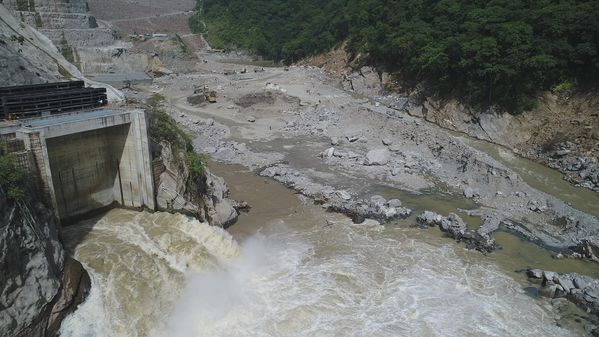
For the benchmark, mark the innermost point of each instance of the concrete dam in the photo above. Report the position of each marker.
(83, 161)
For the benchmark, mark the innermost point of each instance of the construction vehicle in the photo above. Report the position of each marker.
(209, 95)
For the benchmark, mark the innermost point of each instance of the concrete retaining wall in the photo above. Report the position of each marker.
(82, 162)
(84, 168)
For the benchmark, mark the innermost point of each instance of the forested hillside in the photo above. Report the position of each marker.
(500, 52)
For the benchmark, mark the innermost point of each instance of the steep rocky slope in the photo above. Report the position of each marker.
(206, 198)
(561, 132)
(39, 285)
(36, 58)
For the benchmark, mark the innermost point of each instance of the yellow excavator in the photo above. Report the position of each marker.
(210, 95)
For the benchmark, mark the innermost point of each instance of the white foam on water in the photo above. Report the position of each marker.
(137, 263)
(90, 318)
(355, 282)
(166, 275)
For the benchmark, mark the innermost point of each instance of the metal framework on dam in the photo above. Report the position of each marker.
(85, 160)
(50, 98)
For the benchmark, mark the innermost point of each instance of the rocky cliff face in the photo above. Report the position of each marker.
(29, 57)
(20, 61)
(205, 197)
(39, 286)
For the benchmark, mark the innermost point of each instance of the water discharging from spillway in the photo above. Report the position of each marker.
(166, 275)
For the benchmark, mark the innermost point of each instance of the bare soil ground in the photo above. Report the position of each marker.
(561, 132)
(298, 128)
(145, 16)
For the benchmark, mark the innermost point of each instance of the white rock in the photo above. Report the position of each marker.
(394, 203)
(328, 153)
(378, 157)
(390, 212)
(343, 194)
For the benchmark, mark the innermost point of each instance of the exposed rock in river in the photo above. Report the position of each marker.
(377, 208)
(455, 227)
(579, 289)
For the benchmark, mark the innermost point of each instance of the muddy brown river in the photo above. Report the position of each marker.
(287, 268)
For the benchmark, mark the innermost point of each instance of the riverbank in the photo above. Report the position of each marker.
(341, 149)
(295, 269)
(346, 153)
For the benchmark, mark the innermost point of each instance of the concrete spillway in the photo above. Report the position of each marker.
(90, 160)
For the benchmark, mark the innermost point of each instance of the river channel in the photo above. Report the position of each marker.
(288, 268)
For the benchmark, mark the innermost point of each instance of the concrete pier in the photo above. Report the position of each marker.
(89, 160)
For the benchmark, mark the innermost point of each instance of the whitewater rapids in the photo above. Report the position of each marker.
(168, 275)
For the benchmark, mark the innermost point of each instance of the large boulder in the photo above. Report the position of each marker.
(453, 225)
(218, 206)
(380, 156)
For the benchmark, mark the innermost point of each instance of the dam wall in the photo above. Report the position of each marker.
(85, 161)
(65, 22)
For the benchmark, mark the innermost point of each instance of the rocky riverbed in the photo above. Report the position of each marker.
(296, 128)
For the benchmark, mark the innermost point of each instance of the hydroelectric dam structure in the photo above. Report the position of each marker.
(82, 160)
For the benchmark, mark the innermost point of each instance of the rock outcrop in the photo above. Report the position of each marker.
(39, 285)
(579, 289)
(455, 227)
(205, 197)
(336, 200)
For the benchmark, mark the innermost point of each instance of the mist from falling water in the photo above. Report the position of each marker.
(166, 275)
(138, 263)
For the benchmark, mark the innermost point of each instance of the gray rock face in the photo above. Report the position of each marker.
(15, 69)
(206, 199)
(218, 206)
(35, 291)
(20, 62)
(455, 227)
(377, 157)
(366, 82)
(429, 218)
(377, 208)
(580, 170)
(579, 289)
(470, 192)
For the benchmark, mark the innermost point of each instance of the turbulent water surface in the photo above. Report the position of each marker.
(166, 275)
(289, 269)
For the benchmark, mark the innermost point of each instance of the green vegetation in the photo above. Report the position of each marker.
(38, 20)
(164, 129)
(184, 47)
(562, 87)
(195, 164)
(12, 179)
(492, 53)
(26, 5)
